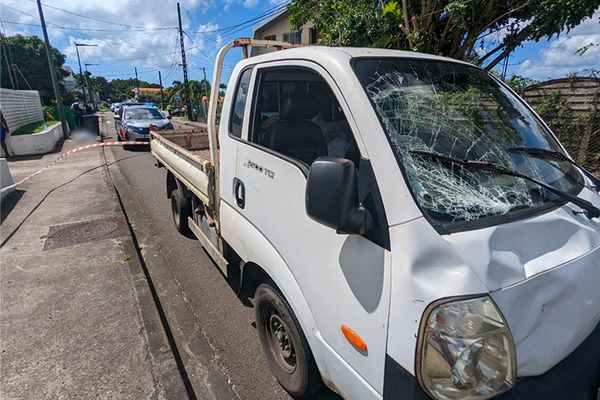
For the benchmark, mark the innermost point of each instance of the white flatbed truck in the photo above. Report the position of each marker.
(407, 226)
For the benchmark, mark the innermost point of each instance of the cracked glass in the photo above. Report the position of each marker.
(459, 111)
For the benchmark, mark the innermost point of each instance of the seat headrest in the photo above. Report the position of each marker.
(298, 106)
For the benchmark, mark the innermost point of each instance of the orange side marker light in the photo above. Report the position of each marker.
(354, 339)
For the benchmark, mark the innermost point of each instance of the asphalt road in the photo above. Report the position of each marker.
(226, 324)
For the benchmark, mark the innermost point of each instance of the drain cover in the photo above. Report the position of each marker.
(83, 232)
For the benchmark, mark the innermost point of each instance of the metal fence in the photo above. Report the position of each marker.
(20, 107)
(571, 107)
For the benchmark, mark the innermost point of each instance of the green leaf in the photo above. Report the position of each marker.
(393, 8)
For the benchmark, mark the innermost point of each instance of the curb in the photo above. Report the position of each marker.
(207, 376)
(166, 370)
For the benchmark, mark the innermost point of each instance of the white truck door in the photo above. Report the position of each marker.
(298, 114)
(230, 131)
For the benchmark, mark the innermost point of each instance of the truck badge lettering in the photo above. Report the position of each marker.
(252, 165)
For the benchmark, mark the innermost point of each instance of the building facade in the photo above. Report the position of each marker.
(69, 80)
(278, 28)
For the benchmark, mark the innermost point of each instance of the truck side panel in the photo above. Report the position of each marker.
(257, 249)
(186, 169)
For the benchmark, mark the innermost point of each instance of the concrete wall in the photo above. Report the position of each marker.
(20, 107)
(6, 179)
(35, 143)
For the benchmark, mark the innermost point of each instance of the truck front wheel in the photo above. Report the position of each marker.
(284, 343)
(180, 206)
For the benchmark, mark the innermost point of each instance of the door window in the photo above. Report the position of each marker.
(239, 103)
(297, 115)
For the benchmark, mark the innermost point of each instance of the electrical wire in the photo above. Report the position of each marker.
(98, 19)
(77, 29)
(260, 16)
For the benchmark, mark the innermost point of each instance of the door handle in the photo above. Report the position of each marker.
(239, 192)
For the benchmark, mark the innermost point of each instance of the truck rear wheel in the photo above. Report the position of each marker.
(284, 343)
(180, 206)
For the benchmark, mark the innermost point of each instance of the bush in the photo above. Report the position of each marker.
(49, 113)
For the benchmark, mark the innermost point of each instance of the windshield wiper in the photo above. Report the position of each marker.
(591, 210)
(546, 153)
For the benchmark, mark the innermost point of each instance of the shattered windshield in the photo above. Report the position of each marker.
(459, 111)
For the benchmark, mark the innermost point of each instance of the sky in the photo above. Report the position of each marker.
(139, 33)
(143, 34)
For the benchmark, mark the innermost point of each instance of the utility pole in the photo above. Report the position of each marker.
(204, 81)
(137, 84)
(186, 86)
(77, 45)
(87, 81)
(57, 95)
(162, 99)
(8, 66)
(80, 73)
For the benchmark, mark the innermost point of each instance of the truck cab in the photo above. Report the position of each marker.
(407, 227)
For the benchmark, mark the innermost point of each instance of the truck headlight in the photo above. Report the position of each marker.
(130, 129)
(465, 350)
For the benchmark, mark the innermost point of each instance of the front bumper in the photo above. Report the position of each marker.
(577, 377)
(139, 136)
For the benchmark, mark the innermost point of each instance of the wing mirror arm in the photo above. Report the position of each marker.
(359, 221)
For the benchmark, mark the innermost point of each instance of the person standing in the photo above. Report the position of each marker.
(78, 109)
(4, 131)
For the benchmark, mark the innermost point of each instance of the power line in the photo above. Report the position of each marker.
(239, 27)
(208, 58)
(98, 19)
(260, 16)
(76, 29)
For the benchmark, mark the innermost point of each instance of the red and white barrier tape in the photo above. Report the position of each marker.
(68, 153)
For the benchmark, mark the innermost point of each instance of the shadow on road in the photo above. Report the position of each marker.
(9, 203)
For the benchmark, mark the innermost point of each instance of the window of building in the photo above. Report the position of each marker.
(312, 36)
(239, 103)
(270, 37)
(292, 37)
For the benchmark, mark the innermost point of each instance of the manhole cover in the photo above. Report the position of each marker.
(83, 232)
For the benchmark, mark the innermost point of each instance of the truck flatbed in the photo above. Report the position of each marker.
(186, 154)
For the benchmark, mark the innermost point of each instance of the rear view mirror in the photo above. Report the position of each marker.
(169, 117)
(332, 196)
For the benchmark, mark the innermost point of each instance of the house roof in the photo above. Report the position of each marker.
(147, 89)
(269, 21)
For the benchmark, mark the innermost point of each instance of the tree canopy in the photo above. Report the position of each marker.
(481, 31)
(28, 53)
(122, 89)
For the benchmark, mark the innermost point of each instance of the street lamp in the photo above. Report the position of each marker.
(88, 83)
(77, 45)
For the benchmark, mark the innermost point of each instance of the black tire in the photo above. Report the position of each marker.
(180, 207)
(284, 343)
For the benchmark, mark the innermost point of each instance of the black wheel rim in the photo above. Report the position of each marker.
(280, 342)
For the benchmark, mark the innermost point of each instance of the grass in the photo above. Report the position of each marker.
(34, 127)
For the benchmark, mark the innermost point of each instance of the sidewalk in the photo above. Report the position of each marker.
(77, 317)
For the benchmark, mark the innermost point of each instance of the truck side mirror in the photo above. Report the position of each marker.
(332, 196)
(117, 117)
